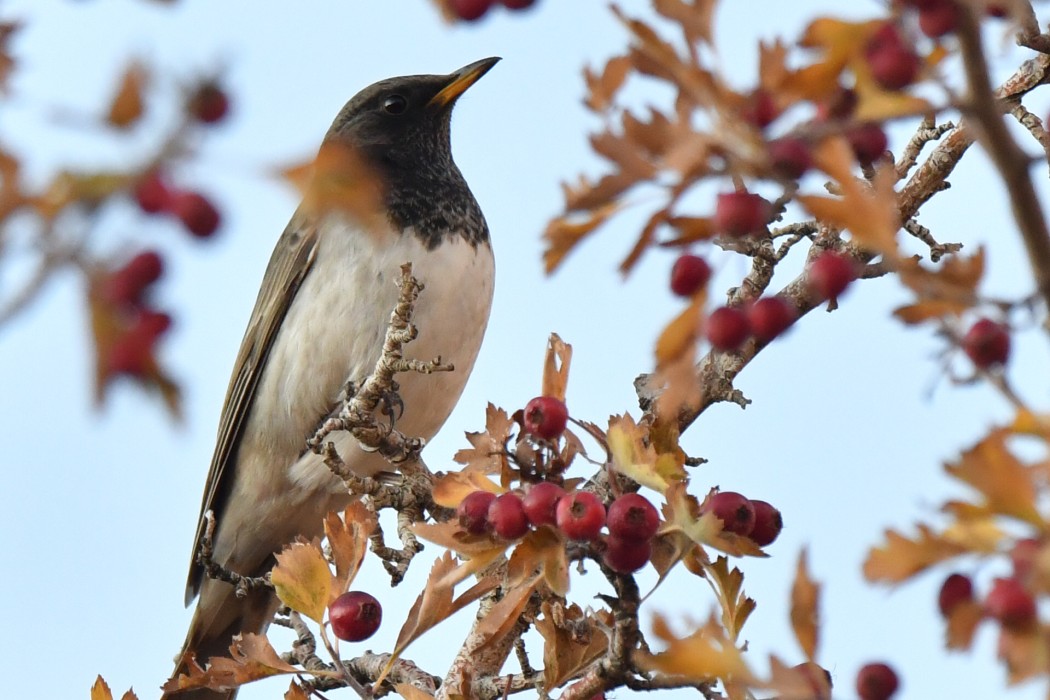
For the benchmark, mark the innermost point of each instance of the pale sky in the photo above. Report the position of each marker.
(849, 424)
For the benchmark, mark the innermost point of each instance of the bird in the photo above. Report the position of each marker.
(319, 323)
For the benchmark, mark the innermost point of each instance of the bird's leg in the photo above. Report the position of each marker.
(212, 569)
(390, 403)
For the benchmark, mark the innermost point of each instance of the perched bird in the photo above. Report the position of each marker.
(319, 321)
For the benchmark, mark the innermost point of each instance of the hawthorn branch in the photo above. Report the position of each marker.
(1008, 157)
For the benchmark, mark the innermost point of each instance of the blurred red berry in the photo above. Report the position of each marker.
(470, 10)
(876, 681)
(580, 515)
(546, 417)
(126, 285)
(769, 317)
(541, 502)
(507, 517)
(868, 142)
(209, 103)
(1009, 603)
(518, 4)
(632, 517)
(830, 274)
(893, 63)
(741, 213)
(727, 328)
(790, 157)
(473, 511)
(759, 109)
(955, 590)
(1023, 556)
(152, 193)
(689, 275)
(355, 616)
(624, 555)
(196, 212)
(987, 343)
(938, 17)
(734, 510)
(768, 523)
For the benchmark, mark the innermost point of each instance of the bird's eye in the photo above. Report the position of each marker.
(395, 104)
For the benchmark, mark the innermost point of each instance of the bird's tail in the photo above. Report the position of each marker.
(220, 616)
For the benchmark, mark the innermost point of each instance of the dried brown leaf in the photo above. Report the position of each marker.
(602, 89)
(571, 641)
(805, 608)
(1008, 486)
(696, 18)
(564, 232)
(902, 557)
(348, 537)
(252, 658)
(487, 454)
(100, 690)
(704, 655)
(556, 367)
(127, 105)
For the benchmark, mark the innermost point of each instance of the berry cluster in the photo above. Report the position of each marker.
(472, 10)
(632, 520)
(126, 290)
(355, 616)
(1008, 602)
(758, 520)
(198, 215)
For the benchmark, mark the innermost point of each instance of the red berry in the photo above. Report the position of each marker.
(473, 512)
(868, 142)
(209, 104)
(196, 212)
(518, 4)
(876, 682)
(987, 343)
(938, 18)
(997, 11)
(126, 285)
(625, 556)
(131, 354)
(355, 616)
(1023, 556)
(893, 64)
(469, 10)
(734, 510)
(790, 157)
(818, 677)
(1009, 603)
(507, 517)
(741, 213)
(727, 328)
(839, 106)
(151, 193)
(955, 590)
(830, 274)
(632, 517)
(546, 417)
(580, 515)
(689, 275)
(768, 523)
(759, 109)
(541, 503)
(769, 317)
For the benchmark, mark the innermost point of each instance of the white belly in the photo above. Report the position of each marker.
(334, 333)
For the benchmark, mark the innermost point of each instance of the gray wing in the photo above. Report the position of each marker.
(290, 263)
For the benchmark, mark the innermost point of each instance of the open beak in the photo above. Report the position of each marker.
(461, 80)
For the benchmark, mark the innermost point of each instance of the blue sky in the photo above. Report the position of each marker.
(849, 424)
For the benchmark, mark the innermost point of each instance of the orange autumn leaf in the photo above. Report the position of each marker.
(348, 538)
(541, 551)
(602, 88)
(564, 232)
(678, 339)
(295, 692)
(1007, 485)
(632, 455)
(902, 557)
(728, 585)
(487, 453)
(127, 105)
(962, 623)
(703, 655)
(805, 607)
(251, 658)
(556, 367)
(100, 691)
(949, 290)
(695, 18)
(570, 644)
(868, 211)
